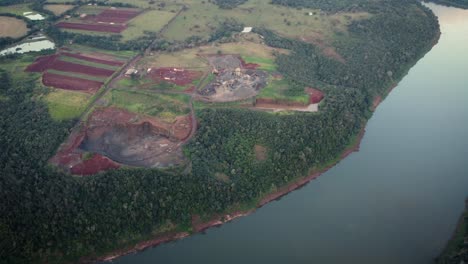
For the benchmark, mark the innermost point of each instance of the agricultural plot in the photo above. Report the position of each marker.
(58, 9)
(100, 19)
(203, 17)
(12, 27)
(149, 21)
(65, 105)
(72, 70)
(16, 9)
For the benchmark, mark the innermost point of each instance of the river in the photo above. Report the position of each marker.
(397, 200)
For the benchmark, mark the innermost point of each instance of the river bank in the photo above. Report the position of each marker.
(218, 220)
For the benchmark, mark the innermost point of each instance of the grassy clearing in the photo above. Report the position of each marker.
(150, 21)
(186, 58)
(58, 9)
(199, 105)
(79, 75)
(266, 64)
(89, 63)
(164, 106)
(15, 67)
(157, 4)
(193, 58)
(16, 9)
(12, 27)
(203, 17)
(65, 105)
(281, 90)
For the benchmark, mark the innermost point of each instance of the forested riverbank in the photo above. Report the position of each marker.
(51, 217)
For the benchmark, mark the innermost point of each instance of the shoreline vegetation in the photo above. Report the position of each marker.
(296, 184)
(49, 216)
(456, 250)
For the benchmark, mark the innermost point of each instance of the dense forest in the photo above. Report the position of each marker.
(49, 217)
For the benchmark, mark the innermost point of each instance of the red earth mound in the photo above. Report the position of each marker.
(79, 68)
(113, 16)
(42, 63)
(93, 59)
(93, 27)
(70, 83)
(315, 96)
(177, 76)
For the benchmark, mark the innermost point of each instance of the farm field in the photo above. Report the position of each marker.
(18, 9)
(12, 27)
(149, 21)
(202, 18)
(58, 9)
(65, 105)
(100, 19)
(74, 70)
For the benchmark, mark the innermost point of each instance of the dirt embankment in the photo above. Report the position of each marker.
(114, 137)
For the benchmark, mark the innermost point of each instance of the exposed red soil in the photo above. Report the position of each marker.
(113, 16)
(261, 102)
(177, 76)
(94, 165)
(316, 96)
(93, 59)
(157, 142)
(70, 83)
(79, 68)
(42, 63)
(93, 27)
(378, 99)
(251, 66)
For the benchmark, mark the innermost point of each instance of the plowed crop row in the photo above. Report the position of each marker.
(91, 59)
(179, 77)
(42, 63)
(78, 68)
(93, 27)
(70, 83)
(113, 16)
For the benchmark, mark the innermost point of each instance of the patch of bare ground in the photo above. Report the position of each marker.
(119, 137)
(234, 80)
(58, 9)
(12, 27)
(261, 152)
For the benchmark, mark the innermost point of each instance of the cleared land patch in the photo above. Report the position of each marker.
(58, 9)
(115, 137)
(202, 18)
(163, 106)
(12, 27)
(149, 21)
(100, 19)
(65, 105)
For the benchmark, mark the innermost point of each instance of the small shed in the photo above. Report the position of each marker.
(247, 30)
